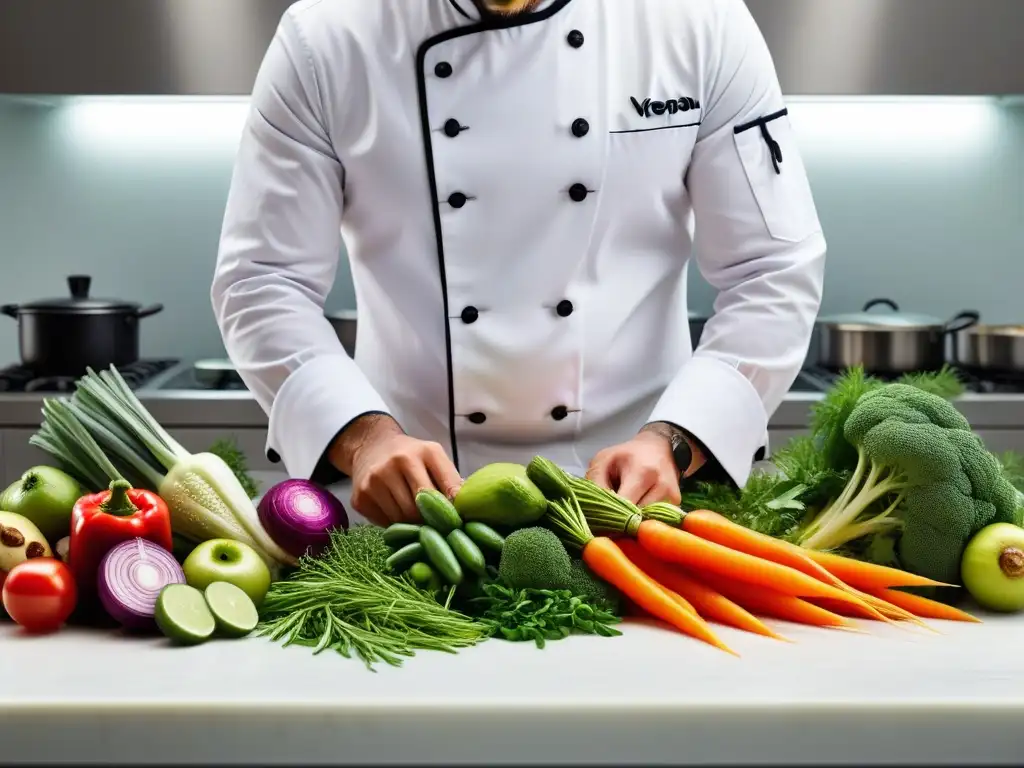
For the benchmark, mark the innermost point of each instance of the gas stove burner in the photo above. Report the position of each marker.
(19, 378)
(57, 384)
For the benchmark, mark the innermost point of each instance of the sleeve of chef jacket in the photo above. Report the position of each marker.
(758, 242)
(279, 251)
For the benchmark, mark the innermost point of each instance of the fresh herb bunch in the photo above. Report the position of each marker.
(346, 601)
(233, 456)
(540, 615)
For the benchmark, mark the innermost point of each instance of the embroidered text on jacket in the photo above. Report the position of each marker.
(647, 107)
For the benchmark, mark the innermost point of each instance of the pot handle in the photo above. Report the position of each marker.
(147, 311)
(881, 302)
(962, 321)
(11, 310)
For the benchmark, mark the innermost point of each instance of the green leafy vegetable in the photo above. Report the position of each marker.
(917, 456)
(540, 615)
(346, 601)
(104, 433)
(233, 456)
(1012, 467)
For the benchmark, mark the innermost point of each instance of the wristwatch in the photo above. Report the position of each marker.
(682, 453)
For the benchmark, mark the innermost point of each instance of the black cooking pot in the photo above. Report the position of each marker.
(63, 337)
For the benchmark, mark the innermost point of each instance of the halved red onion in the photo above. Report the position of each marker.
(299, 516)
(130, 579)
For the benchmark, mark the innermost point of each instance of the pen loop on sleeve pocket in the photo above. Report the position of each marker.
(774, 149)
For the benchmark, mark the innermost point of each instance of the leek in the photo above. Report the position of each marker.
(103, 433)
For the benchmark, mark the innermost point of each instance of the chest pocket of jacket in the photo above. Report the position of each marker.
(777, 176)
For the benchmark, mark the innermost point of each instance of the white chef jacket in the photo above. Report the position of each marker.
(520, 200)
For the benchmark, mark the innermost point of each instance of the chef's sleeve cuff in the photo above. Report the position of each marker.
(719, 406)
(314, 405)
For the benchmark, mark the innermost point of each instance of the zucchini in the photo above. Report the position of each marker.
(405, 557)
(441, 555)
(485, 536)
(467, 551)
(400, 534)
(437, 511)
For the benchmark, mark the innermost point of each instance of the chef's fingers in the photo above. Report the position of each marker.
(364, 504)
(417, 478)
(380, 490)
(637, 480)
(404, 499)
(662, 491)
(446, 477)
(599, 473)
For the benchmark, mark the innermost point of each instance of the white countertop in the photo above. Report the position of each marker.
(891, 695)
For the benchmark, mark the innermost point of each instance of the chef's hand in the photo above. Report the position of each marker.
(641, 470)
(388, 468)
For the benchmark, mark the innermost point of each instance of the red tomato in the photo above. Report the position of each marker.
(40, 594)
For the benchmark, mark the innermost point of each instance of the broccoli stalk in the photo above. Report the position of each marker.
(853, 514)
(920, 472)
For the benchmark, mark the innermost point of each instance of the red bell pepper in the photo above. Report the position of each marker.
(101, 521)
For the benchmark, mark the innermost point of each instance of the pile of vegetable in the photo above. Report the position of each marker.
(891, 498)
(891, 474)
(668, 562)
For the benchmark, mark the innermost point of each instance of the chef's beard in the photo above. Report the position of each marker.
(508, 7)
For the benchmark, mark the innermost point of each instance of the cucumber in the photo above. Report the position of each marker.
(437, 511)
(398, 535)
(485, 536)
(467, 551)
(405, 557)
(421, 573)
(441, 555)
(425, 577)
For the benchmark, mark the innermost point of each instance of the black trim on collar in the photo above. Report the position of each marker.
(459, 8)
(485, 25)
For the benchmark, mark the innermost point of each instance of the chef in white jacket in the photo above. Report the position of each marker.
(521, 188)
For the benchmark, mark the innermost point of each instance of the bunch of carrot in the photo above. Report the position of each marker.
(689, 568)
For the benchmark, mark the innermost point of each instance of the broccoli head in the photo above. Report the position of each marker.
(534, 558)
(920, 464)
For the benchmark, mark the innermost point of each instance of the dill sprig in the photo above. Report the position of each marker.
(229, 452)
(344, 600)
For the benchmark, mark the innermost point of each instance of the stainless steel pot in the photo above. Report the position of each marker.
(63, 337)
(991, 349)
(344, 323)
(893, 342)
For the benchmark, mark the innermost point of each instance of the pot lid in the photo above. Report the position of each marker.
(79, 300)
(889, 316)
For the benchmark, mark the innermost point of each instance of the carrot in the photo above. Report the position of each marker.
(925, 608)
(709, 603)
(770, 603)
(712, 526)
(678, 546)
(868, 576)
(609, 563)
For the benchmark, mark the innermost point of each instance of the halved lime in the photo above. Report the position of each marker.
(232, 609)
(182, 614)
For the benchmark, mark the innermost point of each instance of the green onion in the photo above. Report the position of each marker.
(104, 433)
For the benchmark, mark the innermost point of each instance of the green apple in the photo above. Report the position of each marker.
(227, 560)
(46, 496)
